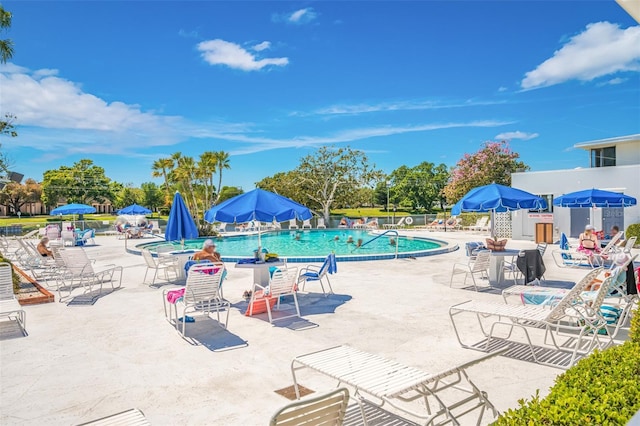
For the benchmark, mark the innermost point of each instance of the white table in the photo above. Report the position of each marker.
(496, 270)
(182, 257)
(260, 270)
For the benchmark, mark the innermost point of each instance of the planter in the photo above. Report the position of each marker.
(31, 293)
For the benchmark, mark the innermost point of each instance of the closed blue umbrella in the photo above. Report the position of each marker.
(134, 209)
(497, 198)
(73, 209)
(257, 205)
(594, 198)
(180, 225)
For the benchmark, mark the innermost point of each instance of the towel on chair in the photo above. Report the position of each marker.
(174, 296)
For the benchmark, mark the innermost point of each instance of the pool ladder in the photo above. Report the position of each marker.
(390, 231)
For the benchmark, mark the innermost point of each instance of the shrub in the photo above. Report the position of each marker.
(600, 389)
(633, 230)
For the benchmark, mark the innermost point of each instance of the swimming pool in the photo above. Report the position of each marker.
(314, 245)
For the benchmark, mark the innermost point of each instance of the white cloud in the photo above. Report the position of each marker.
(298, 17)
(355, 109)
(188, 34)
(221, 52)
(613, 82)
(516, 135)
(262, 46)
(502, 89)
(602, 49)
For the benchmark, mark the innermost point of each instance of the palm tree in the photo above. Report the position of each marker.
(207, 168)
(162, 168)
(222, 162)
(6, 46)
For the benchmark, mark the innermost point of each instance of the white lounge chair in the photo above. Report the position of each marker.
(327, 409)
(628, 245)
(399, 224)
(201, 295)
(9, 306)
(572, 317)
(480, 223)
(222, 227)
(166, 264)
(448, 395)
(293, 224)
(79, 271)
(306, 224)
(320, 223)
(282, 283)
(478, 265)
(132, 417)
(608, 250)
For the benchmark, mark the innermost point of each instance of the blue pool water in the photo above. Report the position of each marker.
(311, 245)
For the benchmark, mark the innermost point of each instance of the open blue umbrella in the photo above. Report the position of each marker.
(594, 198)
(180, 225)
(497, 198)
(257, 205)
(134, 209)
(73, 209)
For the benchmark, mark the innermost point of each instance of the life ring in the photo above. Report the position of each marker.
(408, 220)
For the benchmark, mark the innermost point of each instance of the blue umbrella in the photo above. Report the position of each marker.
(180, 225)
(497, 198)
(73, 209)
(134, 209)
(257, 205)
(594, 198)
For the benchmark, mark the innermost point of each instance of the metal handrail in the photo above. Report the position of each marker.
(382, 235)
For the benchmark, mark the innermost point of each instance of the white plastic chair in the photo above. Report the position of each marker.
(315, 273)
(479, 266)
(320, 223)
(165, 263)
(306, 224)
(293, 224)
(281, 283)
(9, 306)
(326, 409)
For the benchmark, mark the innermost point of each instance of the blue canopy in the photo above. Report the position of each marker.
(180, 224)
(134, 209)
(594, 198)
(497, 198)
(258, 205)
(73, 209)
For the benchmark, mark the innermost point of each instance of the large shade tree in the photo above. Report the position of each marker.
(84, 182)
(152, 196)
(494, 162)
(15, 195)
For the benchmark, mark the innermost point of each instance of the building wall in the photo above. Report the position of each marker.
(628, 153)
(557, 182)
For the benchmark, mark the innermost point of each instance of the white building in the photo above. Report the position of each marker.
(614, 166)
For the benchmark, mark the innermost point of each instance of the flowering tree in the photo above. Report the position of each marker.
(493, 163)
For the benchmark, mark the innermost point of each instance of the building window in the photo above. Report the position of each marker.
(603, 157)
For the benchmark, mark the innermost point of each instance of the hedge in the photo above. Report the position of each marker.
(633, 230)
(601, 389)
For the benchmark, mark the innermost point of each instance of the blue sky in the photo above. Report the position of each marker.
(126, 83)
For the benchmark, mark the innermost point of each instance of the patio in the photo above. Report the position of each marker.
(85, 361)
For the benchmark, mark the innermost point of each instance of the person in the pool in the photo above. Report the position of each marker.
(350, 240)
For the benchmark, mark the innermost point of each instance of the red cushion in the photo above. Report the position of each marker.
(260, 305)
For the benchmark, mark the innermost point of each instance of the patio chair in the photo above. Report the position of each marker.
(327, 409)
(132, 417)
(608, 250)
(482, 221)
(399, 224)
(222, 227)
(306, 224)
(52, 232)
(165, 264)
(282, 283)
(315, 273)
(9, 306)
(320, 223)
(476, 266)
(30, 234)
(443, 397)
(567, 256)
(293, 224)
(79, 270)
(573, 317)
(201, 295)
(628, 245)
(86, 237)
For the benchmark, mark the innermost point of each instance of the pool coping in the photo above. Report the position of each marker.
(445, 248)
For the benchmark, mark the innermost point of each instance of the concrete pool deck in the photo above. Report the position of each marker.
(85, 361)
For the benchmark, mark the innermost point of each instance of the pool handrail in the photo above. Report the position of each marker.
(390, 231)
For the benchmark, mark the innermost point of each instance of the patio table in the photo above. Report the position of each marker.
(496, 270)
(260, 270)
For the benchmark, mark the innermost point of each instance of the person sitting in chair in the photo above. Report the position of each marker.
(208, 252)
(43, 249)
(588, 242)
(615, 230)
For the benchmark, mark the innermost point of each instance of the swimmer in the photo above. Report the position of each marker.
(350, 239)
(336, 238)
(297, 237)
(392, 241)
(359, 243)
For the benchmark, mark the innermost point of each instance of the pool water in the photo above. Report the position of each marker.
(315, 243)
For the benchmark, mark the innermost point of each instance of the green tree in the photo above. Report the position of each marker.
(83, 182)
(15, 195)
(222, 163)
(6, 45)
(152, 196)
(286, 184)
(332, 176)
(128, 195)
(229, 192)
(494, 162)
(161, 168)
(418, 187)
(206, 169)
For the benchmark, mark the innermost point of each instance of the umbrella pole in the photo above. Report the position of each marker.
(493, 224)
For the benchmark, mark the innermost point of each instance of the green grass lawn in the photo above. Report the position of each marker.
(68, 218)
(367, 212)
